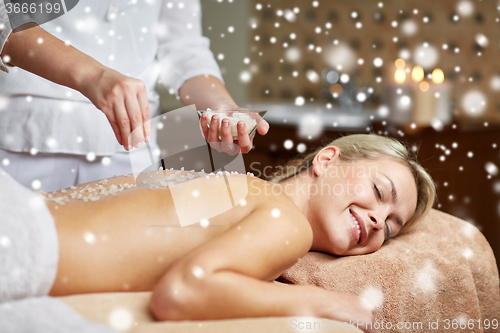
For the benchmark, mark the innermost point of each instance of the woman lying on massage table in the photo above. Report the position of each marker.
(358, 191)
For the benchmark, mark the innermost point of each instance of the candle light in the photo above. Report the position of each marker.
(400, 76)
(417, 74)
(432, 101)
(424, 101)
(437, 76)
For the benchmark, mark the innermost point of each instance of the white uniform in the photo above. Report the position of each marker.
(145, 39)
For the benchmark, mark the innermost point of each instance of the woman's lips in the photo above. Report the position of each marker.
(362, 227)
(354, 229)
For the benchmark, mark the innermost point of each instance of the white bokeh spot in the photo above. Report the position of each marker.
(427, 278)
(198, 272)
(90, 156)
(299, 101)
(372, 298)
(204, 223)
(468, 253)
(120, 319)
(106, 161)
(89, 237)
(5, 241)
(491, 168)
(426, 56)
(36, 184)
(474, 102)
(310, 125)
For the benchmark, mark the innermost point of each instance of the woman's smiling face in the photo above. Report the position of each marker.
(355, 206)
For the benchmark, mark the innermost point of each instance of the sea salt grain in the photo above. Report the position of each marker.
(97, 191)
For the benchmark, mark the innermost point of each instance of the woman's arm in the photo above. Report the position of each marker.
(227, 277)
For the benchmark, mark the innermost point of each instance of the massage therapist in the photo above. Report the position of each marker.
(78, 85)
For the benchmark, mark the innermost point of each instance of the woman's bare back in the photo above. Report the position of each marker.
(128, 240)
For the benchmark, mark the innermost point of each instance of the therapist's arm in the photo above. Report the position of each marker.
(122, 99)
(189, 68)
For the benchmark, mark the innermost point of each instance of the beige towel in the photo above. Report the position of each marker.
(441, 271)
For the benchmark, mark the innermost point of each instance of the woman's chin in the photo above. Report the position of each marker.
(340, 246)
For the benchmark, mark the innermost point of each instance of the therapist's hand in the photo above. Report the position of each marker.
(124, 102)
(226, 143)
(206, 91)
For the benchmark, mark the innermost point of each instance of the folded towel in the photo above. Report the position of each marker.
(441, 271)
(28, 242)
(28, 267)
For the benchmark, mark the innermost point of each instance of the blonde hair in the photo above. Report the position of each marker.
(357, 146)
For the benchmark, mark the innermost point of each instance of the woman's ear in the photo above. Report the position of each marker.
(323, 158)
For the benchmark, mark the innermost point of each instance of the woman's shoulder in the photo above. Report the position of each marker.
(280, 213)
(263, 190)
(269, 195)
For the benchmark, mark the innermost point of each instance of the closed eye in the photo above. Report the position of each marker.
(377, 192)
(388, 228)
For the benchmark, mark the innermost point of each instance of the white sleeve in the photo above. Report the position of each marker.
(5, 31)
(7, 24)
(183, 52)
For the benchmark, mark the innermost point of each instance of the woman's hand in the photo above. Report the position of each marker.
(342, 307)
(124, 102)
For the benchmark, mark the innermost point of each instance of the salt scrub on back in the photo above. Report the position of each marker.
(234, 119)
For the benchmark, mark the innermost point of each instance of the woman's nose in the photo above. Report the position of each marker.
(376, 222)
(379, 216)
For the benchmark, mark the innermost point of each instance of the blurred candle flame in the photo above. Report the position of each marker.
(400, 64)
(424, 86)
(417, 74)
(437, 76)
(400, 76)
